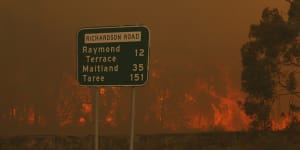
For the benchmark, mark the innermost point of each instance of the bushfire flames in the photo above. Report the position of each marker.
(199, 106)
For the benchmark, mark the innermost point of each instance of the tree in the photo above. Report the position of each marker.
(268, 59)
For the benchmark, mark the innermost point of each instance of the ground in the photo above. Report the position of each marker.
(286, 140)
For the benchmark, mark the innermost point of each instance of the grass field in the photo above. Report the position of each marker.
(196, 141)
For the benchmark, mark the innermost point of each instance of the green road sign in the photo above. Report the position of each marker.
(113, 56)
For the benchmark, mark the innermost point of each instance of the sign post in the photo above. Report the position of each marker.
(96, 119)
(113, 56)
(132, 118)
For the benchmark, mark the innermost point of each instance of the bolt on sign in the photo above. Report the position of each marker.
(113, 56)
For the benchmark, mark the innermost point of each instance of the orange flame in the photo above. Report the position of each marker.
(197, 122)
(86, 108)
(82, 120)
(226, 111)
(200, 105)
(102, 91)
(110, 118)
(282, 124)
(31, 116)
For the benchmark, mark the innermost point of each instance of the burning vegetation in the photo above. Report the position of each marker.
(199, 105)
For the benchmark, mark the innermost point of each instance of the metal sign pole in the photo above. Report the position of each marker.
(132, 119)
(129, 66)
(96, 119)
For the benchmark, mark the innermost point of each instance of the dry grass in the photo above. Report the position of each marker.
(196, 141)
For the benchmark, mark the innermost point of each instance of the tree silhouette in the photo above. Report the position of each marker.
(269, 59)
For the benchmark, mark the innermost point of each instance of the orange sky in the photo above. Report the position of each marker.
(205, 33)
(38, 38)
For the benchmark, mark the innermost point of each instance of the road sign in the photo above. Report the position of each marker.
(113, 56)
